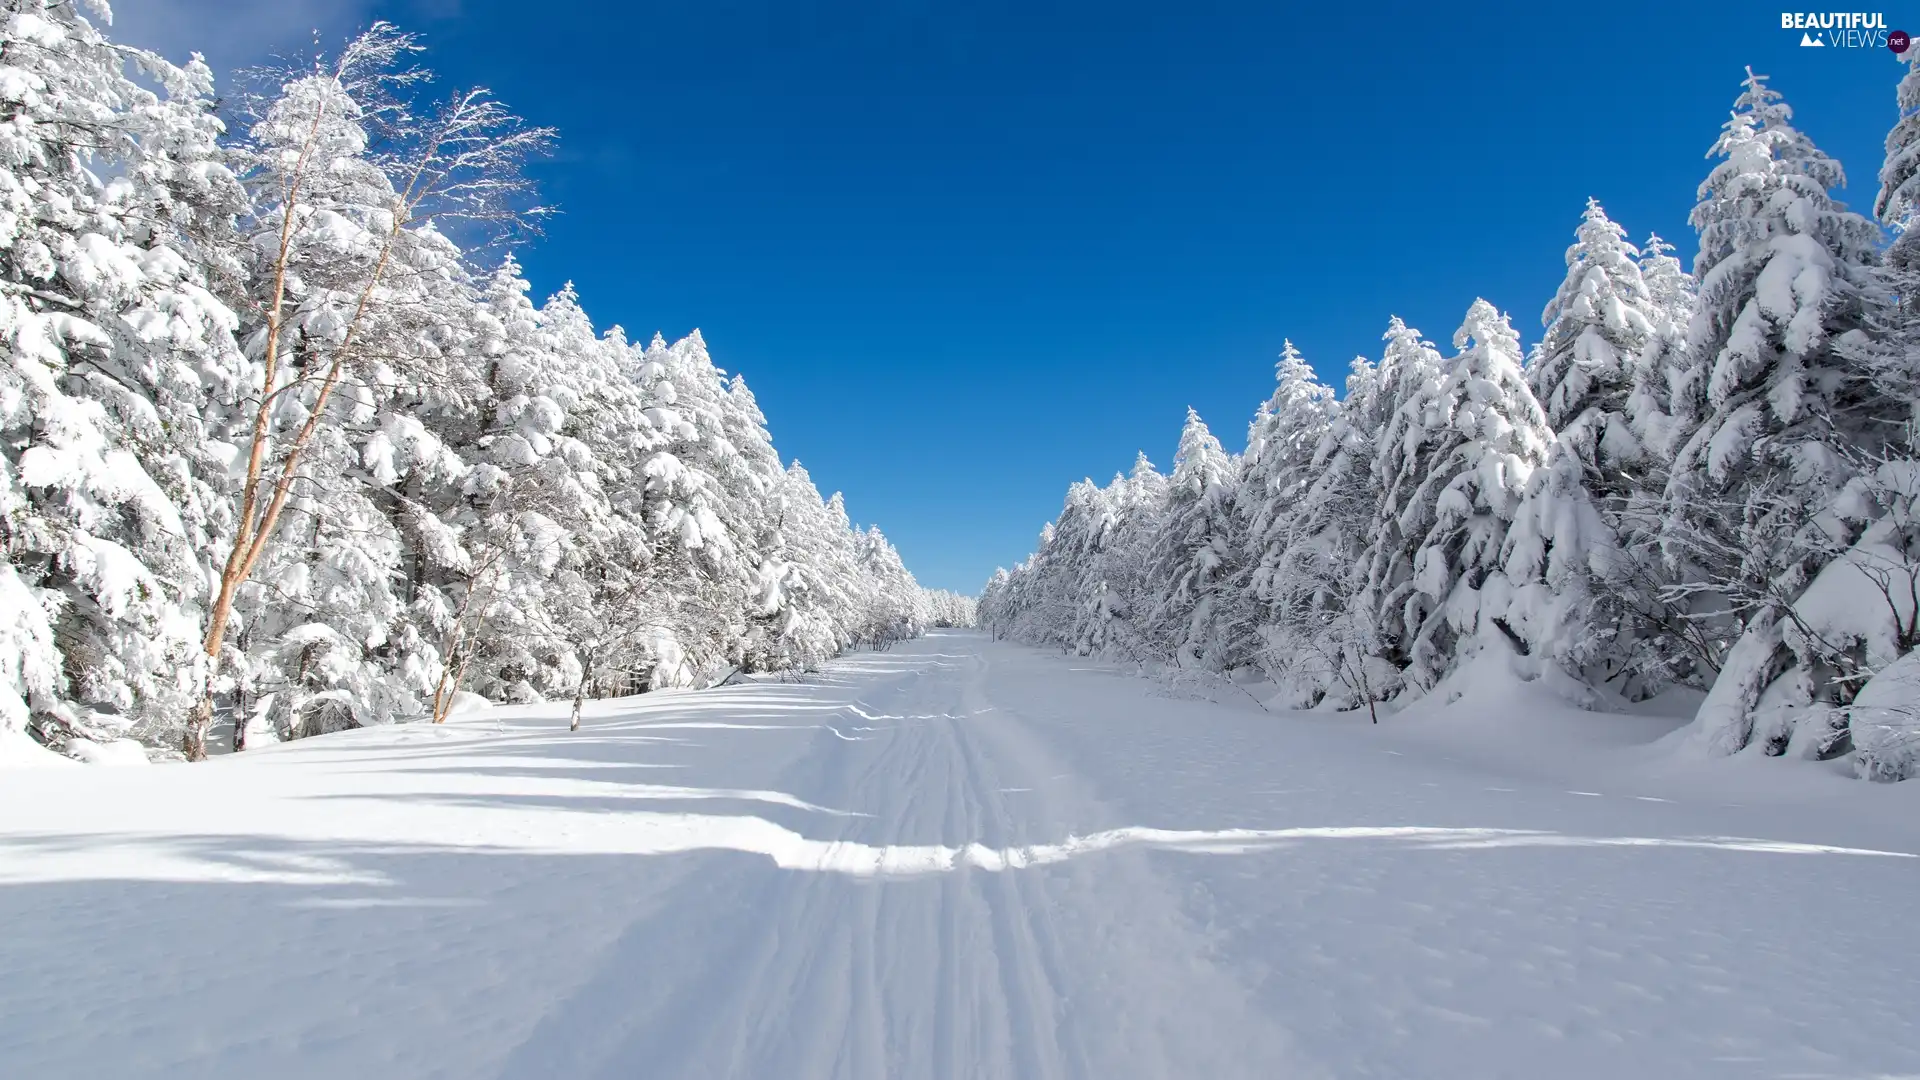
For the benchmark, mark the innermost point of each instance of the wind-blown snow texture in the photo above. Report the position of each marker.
(957, 858)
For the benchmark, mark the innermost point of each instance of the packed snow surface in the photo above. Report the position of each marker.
(959, 858)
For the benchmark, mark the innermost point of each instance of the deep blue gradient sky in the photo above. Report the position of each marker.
(967, 253)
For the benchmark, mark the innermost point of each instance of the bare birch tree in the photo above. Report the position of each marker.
(351, 164)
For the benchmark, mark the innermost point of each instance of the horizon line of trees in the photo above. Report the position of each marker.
(1703, 480)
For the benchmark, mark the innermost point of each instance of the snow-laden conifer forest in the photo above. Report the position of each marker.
(288, 447)
(561, 727)
(1697, 489)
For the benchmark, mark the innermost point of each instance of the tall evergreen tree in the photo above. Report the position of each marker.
(113, 344)
(1775, 407)
(1320, 639)
(1196, 555)
(1279, 465)
(1408, 381)
(1662, 363)
(1477, 435)
(1564, 553)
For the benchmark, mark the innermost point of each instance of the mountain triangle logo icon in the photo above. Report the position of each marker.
(1808, 41)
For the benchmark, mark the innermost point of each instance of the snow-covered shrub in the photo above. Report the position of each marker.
(1884, 720)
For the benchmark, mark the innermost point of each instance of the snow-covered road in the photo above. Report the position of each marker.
(957, 859)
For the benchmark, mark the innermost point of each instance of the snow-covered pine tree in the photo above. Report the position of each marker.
(1897, 321)
(1196, 557)
(1663, 360)
(1863, 605)
(817, 585)
(1142, 507)
(531, 490)
(1576, 599)
(1678, 648)
(1279, 467)
(992, 610)
(695, 529)
(1319, 639)
(752, 479)
(1468, 442)
(114, 345)
(1596, 325)
(1408, 380)
(893, 598)
(952, 609)
(1775, 410)
(1109, 583)
(1073, 567)
(1040, 605)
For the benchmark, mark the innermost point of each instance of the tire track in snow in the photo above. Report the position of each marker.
(1023, 912)
(1124, 958)
(1029, 992)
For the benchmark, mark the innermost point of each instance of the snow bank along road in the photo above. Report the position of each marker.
(957, 859)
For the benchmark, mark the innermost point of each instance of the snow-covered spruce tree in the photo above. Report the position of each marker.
(1408, 381)
(1896, 322)
(1900, 171)
(1096, 615)
(893, 596)
(1196, 558)
(530, 491)
(1679, 648)
(1467, 443)
(1039, 611)
(844, 564)
(694, 528)
(1319, 639)
(1073, 567)
(753, 479)
(1135, 506)
(1108, 542)
(1577, 600)
(1086, 587)
(1279, 467)
(608, 412)
(952, 609)
(992, 609)
(114, 345)
(1596, 325)
(1776, 409)
(1865, 605)
(610, 600)
(1662, 363)
(820, 582)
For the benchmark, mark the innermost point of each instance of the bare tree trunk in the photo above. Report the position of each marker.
(239, 720)
(453, 660)
(443, 695)
(193, 741)
(580, 691)
(250, 542)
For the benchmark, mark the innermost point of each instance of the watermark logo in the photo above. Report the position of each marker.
(1843, 30)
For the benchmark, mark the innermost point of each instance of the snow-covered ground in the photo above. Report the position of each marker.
(959, 858)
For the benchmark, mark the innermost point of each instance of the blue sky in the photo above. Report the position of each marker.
(967, 253)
